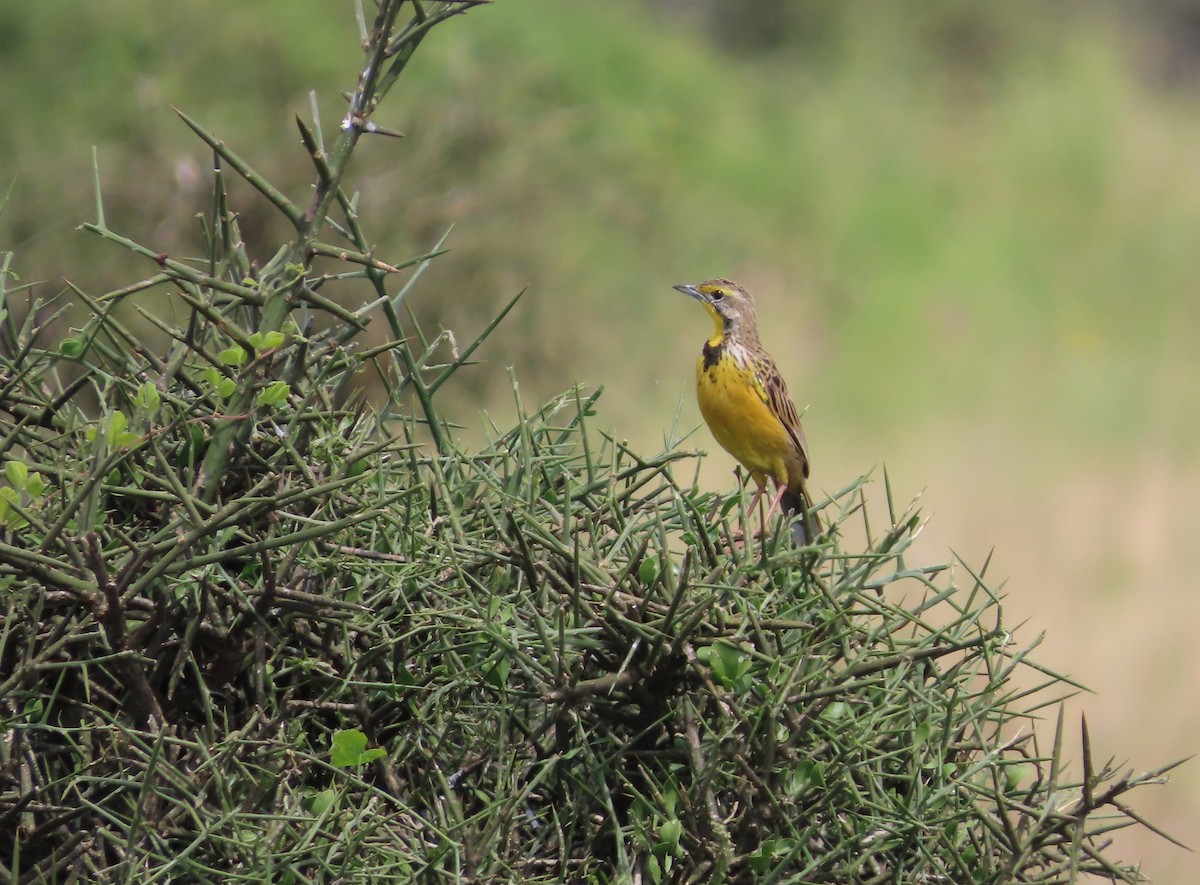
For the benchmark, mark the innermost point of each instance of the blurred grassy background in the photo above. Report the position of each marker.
(971, 229)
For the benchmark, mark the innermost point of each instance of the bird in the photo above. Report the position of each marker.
(746, 405)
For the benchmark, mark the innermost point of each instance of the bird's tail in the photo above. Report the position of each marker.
(805, 529)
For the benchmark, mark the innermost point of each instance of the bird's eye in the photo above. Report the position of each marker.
(717, 294)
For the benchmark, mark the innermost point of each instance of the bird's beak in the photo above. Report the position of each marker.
(692, 291)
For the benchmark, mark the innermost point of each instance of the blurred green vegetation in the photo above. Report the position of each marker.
(1004, 179)
(970, 226)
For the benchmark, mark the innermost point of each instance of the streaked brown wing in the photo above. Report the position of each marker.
(771, 383)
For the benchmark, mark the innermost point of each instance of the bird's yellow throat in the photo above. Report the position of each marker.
(718, 336)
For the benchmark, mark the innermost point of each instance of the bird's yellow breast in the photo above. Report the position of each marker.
(735, 408)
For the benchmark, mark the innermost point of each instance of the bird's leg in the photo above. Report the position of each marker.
(774, 504)
(770, 511)
(757, 496)
(763, 517)
(736, 541)
(757, 501)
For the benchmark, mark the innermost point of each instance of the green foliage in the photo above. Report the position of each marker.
(255, 631)
(941, 179)
(349, 749)
(539, 702)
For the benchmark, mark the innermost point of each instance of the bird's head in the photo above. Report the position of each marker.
(729, 305)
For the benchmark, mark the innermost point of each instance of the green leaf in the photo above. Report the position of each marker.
(117, 422)
(117, 434)
(8, 516)
(1013, 775)
(670, 800)
(648, 571)
(72, 348)
(232, 356)
(497, 674)
(730, 665)
(733, 659)
(761, 861)
(148, 398)
(835, 711)
(17, 474)
(347, 748)
(36, 485)
(806, 775)
(274, 394)
(669, 833)
(322, 801)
